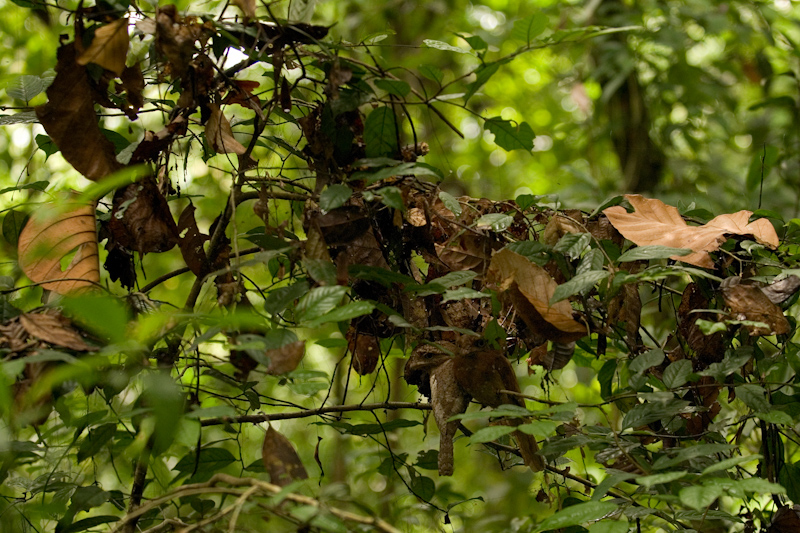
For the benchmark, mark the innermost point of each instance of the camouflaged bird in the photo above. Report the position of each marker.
(451, 381)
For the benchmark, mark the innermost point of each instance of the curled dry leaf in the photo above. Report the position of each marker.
(530, 289)
(655, 223)
(281, 460)
(70, 120)
(220, 135)
(109, 48)
(783, 289)
(286, 358)
(141, 220)
(365, 350)
(248, 7)
(54, 328)
(748, 302)
(51, 235)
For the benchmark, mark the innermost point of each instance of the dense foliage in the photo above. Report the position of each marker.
(241, 271)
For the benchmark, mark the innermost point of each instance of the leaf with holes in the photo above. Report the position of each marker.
(49, 237)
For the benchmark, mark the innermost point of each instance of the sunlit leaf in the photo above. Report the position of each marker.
(109, 47)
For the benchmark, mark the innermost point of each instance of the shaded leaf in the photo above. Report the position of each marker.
(25, 117)
(395, 87)
(54, 328)
(70, 110)
(509, 136)
(286, 358)
(141, 220)
(529, 28)
(647, 413)
(25, 87)
(652, 252)
(89, 523)
(579, 284)
(219, 134)
(334, 196)
(13, 223)
(750, 303)
(578, 514)
(439, 45)
(50, 236)
(380, 132)
(248, 7)
(280, 459)
(208, 460)
(482, 75)
(109, 47)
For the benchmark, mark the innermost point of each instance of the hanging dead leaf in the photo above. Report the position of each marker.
(530, 289)
(281, 460)
(365, 350)
(242, 93)
(109, 48)
(785, 520)
(133, 85)
(286, 358)
(50, 236)
(248, 7)
(748, 302)
(655, 223)
(560, 225)
(141, 220)
(220, 135)
(783, 289)
(70, 120)
(191, 242)
(54, 328)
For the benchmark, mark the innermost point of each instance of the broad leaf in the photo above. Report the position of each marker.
(219, 133)
(25, 87)
(334, 196)
(49, 237)
(482, 75)
(509, 136)
(380, 132)
(109, 48)
(529, 28)
(578, 514)
(280, 459)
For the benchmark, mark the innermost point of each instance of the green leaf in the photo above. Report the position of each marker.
(346, 312)
(573, 244)
(13, 223)
(46, 145)
(762, 161)
(24, 117)
(25, 88)
(89, 523)
(483, 73)
(789, 478)
(708, 327)
(95, 440)
(578, 514)
(392, 197)
(647, 360)
(279, 299)
(321, 270)
(393, 87)
(776, 417)
(320, 300)
(700, 496)
(334, 196)
(432, 73)
(301, 10)
(685, 454)
(380, 132)
(381, 275)
(535, 251)
(442, 283)
(733, 461)
(732, 362)
(510, 137)
(105, 316)
(657, 479)
(489, 434)
(36, 186)
(539, 428)
(423, 487)
(652, 252)
(475, 42)
(647, 413)
(209, 460)
(166, 400)
(677, 373)
(439, 45)
(753, 397)
(579, 284)
(609, 526)
(461, 293)
(527, 29)
(450, 203)
(496, 221)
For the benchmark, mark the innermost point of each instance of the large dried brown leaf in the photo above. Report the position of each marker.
(70, 120)
(52, 234)
(109, 48)
(655, 223)
(55, 329)
(248, 7)
(220, 135)
(286, 358)
(281, 460)
(531, 289)
(748, 302)
(191, 242)
(141, 220)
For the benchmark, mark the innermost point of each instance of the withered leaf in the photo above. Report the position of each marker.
(286, 358)
(785, 520)
(783, 289)
(191, 242)
(220, 135)
(248, 7)
(133, 84)
(748, 302)
(109, 48)
(70, 120)
(655, 223)
(365, 350)
(52, 234)
(141, 220)
(55, 329)
(531, 288)
(280, 459)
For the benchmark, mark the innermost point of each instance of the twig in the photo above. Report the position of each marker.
(257, 419)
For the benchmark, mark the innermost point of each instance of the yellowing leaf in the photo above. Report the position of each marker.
(51, 235)
(109, 47)
(655, 223)
(530, 289)
(220, 135)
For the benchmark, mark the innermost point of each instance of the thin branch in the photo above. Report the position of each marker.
(258, 419)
